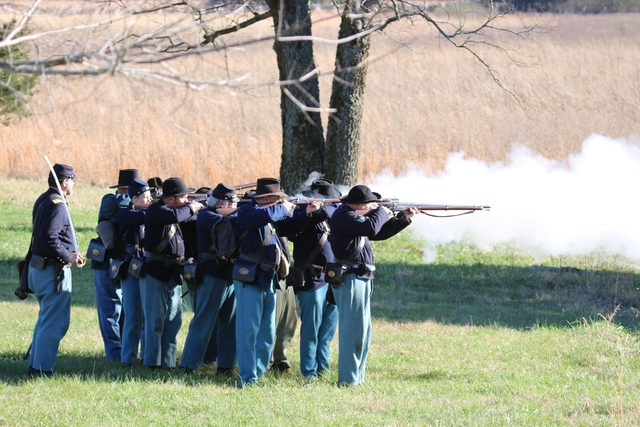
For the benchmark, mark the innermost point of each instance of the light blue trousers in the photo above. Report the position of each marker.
(255, 330)
(213, 302)
(162, 311)
(318, 321)
(53, 318)
(353, 301)
(132, 327)
(109, 304)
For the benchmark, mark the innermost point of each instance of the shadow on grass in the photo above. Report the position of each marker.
(481, 294)
(505, 296)
(83, 287)
(13, 370)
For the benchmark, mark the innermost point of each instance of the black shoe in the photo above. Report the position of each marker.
(226, 372)
(187, 371)
(283, 367)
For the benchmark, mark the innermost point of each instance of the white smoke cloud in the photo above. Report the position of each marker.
(536, 203)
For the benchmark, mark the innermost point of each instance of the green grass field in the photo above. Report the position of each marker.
(476, 338)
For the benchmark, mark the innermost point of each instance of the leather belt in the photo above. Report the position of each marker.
(169, 260)
(356, 265)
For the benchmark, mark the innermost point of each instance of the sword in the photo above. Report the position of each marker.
(27, 353)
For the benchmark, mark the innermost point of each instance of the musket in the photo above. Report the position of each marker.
(422, 207)
(243, 186)
(302, 200)
(66, 207)
(396, 205)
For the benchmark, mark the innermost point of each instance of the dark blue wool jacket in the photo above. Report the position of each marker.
(255, 219)
(346, 226)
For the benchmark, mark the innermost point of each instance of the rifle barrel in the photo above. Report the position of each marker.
(302, 200)
(307, 200)
(399, 206)
(396, 205)
(247, 185)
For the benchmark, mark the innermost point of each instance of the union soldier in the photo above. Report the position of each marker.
(160, 289)
(108, 293)
(264, 218)
(357, 221)
(131, 228)
(214, 303)
(54, 251)
(311, 251)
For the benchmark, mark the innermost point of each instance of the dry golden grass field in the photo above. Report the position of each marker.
(424, 100)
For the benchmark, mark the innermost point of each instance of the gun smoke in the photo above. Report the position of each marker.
(540, 206)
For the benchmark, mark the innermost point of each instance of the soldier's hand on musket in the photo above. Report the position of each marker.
(196, 206)
(313, 206)
(389, 211)
(409, 212)
(287, 204)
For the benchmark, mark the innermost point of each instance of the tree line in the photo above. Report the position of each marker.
(553, 6)
(571, 6)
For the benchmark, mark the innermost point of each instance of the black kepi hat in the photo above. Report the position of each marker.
(360, 194)
(125, 176)
(269, 187)
(224, 191)
(322, 188)
(175, 186)
(62, 171)
(137, 187)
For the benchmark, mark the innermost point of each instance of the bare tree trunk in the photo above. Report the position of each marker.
(302, 133)
(347, 97)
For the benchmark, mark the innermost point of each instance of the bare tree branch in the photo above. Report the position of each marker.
(22, 22)
(146, 49)
(217, 33)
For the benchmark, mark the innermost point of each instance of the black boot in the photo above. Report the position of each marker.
(37, 373)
